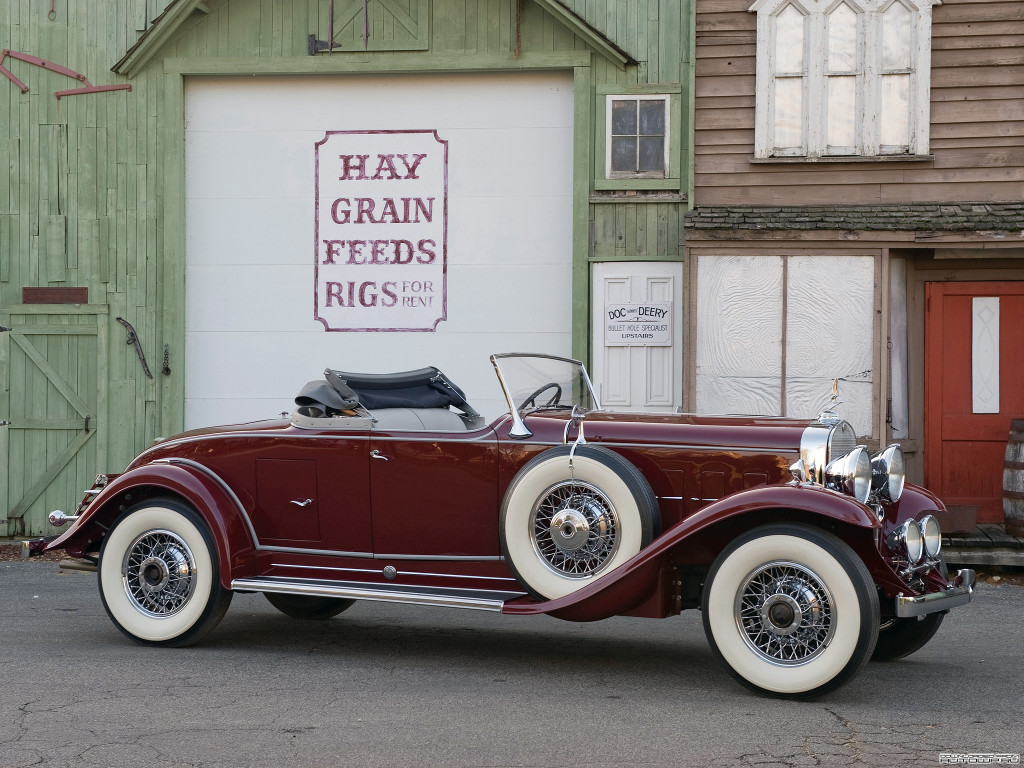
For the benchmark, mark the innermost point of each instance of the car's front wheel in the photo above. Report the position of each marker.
(159, 576)
(898, 638)
(791, 610)
(308, 606)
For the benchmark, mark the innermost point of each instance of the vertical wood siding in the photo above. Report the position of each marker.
(977, 117)
(88, 177)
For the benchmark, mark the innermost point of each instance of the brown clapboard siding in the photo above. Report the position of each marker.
(977, 117)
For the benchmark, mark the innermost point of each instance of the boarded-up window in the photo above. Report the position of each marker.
(773, 331)
(842, 79)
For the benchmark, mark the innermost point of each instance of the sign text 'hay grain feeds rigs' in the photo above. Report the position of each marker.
(381, 230)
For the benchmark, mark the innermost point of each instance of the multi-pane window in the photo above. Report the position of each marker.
(842, 78)
(637, 130)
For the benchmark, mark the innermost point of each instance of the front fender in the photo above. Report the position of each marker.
(203, 490)
(698, 539)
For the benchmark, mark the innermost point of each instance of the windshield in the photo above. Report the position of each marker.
(542, 381)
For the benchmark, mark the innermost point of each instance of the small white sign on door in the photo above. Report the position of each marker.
(381, 230)
(638, 325)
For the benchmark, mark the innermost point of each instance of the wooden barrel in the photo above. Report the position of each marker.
(1013, 480)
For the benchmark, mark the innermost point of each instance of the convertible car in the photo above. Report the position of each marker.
(806, 556)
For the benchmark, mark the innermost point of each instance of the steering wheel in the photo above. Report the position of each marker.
(554, 398)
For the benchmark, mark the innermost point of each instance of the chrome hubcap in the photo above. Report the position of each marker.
(784, 613)
(570, 529)
(159, 573)
(574, 529)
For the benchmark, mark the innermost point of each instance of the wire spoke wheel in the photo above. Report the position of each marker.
(574, 513)
(784, 611)
(159, 572)
(791, 609)
(574, 529)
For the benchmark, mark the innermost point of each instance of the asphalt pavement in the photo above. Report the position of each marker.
(390, 685)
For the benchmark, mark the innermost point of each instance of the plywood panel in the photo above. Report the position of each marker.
(739, 338)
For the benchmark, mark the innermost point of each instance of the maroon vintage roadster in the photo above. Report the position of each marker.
(806, 556)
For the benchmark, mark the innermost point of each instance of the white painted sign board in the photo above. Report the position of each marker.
(381, 230)
(638, 325)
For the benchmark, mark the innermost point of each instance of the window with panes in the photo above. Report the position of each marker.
(842, 78)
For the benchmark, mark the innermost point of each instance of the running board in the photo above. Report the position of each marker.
(471, 599)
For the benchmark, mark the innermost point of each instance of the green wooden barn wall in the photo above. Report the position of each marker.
(95, 190)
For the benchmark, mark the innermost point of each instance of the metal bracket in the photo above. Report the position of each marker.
(38, 62)
(5, 329)
(316, 45)
(133, 338)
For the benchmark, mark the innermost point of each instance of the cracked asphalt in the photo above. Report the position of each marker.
(384, 685)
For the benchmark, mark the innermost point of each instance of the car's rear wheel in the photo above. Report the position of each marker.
(159, 576)
(308, 606)
(791, 610)
(898, 638)
(562, 526)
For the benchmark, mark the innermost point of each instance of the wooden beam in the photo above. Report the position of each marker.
(579, 26)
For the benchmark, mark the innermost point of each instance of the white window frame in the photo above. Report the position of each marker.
(666, 104)
(869, 79)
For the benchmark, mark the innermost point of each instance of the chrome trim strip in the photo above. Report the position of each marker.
(678, 446)
(444, 437)
(327, 568)
(402, 573)
(307, 551)
(368, 593)
(446, 558)
(960, 592)
(372, 556)
(666, 446)
(457, 576)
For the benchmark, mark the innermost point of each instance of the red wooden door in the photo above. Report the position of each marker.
(974, 386)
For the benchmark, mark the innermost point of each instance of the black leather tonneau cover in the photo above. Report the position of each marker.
(422, 388)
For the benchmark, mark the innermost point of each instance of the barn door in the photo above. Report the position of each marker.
(637, 330)
(974, 365)
(54, 405)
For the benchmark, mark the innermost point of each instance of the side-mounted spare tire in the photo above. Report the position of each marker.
(563, 526)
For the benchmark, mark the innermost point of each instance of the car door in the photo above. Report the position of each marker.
(313, 492)
(434, 494)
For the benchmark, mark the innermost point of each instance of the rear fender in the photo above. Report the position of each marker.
(200, 488)
(698, 539)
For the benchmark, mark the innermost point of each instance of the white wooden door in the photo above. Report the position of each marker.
(644, 376)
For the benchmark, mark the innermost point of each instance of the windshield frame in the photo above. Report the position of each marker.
(519, 428)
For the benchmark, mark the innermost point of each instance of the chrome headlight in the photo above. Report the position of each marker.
(931, 534)
(910, 540)
(888, 473)
(851, 474)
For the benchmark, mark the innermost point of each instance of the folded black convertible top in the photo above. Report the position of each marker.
(421, 388)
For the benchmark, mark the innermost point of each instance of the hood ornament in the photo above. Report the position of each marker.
(829, 415)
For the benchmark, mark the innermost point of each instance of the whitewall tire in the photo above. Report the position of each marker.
(562, 527)
(791, 610)
(159, 576)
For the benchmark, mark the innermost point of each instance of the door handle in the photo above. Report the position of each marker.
(375, 454)
(305, 503)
